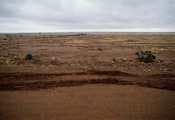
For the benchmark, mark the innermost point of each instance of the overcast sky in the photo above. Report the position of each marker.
(87, 15)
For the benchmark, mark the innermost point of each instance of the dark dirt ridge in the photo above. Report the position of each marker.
(34, 81)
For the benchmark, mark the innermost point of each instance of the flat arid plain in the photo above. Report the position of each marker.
(87, 76)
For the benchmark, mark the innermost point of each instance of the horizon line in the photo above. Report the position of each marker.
(85, 32)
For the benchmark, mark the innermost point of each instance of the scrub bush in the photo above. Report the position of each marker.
(29, 56)
(145, 56)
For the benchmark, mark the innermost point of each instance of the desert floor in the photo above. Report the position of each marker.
(87, 76)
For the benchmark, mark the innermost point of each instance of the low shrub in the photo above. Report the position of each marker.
(29, 56)
(145, 56)
(113, 59)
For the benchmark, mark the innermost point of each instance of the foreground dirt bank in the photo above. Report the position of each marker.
(89, 102)
(34, 81)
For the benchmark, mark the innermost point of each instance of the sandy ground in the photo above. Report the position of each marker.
(72, 76)
(89, 102)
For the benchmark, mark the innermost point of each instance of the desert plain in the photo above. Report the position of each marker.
(87, 76)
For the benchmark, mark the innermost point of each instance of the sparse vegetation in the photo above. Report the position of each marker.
(101, 44)
(113, 59)
(145, 56)
(29, 56)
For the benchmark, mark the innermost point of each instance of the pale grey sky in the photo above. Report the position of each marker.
(87, 15)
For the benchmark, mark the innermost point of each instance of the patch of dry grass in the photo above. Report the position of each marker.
(77, 41)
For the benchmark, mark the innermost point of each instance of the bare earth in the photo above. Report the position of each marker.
(72, 76)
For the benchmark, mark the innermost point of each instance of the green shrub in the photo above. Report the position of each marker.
(113, 59)
(146, 56)
(29, 56)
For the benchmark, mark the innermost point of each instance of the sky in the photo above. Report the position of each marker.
(28, 16)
